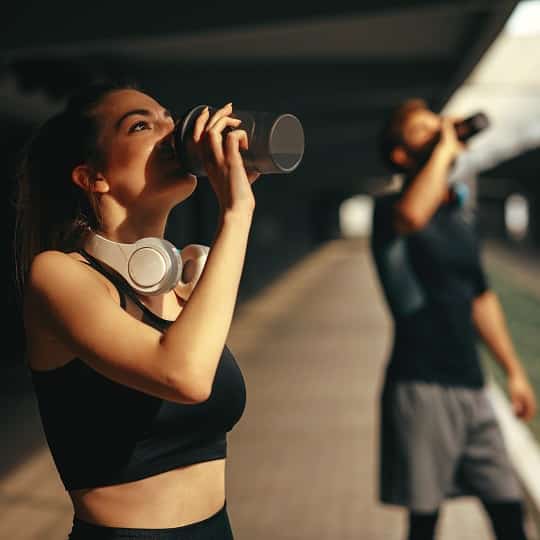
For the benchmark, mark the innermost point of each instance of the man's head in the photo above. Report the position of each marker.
(409, 135)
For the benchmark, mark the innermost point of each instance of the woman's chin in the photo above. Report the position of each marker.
(184, 185)
(192, 180)
(177, 185)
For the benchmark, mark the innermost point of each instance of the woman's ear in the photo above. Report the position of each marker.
(85, 177)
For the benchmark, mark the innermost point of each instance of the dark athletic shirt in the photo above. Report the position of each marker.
(430, 278)
(101, 432)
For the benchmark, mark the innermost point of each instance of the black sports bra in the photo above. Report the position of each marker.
(101, 432)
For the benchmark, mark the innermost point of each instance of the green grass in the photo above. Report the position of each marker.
(522, 311)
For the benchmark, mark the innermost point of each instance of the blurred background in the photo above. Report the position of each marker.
(308, 280)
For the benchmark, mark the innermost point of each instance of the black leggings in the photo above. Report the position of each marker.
(506, 519)
(216, 527)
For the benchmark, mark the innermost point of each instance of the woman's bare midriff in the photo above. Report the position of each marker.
(171, 499)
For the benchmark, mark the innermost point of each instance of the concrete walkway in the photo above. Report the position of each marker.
(303, 459)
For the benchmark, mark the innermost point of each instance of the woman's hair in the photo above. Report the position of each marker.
(51, 212)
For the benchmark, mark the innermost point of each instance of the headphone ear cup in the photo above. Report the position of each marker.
(154, 266)
(194, 259)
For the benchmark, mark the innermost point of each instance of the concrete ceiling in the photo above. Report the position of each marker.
(339, 66)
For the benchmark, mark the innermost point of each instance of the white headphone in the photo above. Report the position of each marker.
(152, 265)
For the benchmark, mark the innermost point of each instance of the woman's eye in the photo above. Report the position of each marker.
(138, 126)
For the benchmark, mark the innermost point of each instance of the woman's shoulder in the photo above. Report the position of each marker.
(57, 288)
(55, 272)
(50, 272)
(52, 260)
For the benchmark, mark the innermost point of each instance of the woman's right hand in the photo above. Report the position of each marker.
(222, 158)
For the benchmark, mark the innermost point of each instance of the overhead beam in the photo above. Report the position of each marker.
(33, 24)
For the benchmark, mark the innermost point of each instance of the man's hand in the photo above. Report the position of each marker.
(449, 143)
(522, 396)
(490, 323)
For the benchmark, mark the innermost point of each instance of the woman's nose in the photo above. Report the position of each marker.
(167, 125)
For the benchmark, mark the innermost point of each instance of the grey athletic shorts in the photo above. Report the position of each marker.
(438, 442)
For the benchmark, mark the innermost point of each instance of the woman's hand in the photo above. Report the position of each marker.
(220, 142)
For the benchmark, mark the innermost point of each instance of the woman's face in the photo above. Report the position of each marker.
(136, 162)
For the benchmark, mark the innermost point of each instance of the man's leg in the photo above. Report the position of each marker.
(422, 526)
(488, 473)
(507, 519)
(422, 436)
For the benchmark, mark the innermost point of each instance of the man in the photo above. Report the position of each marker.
(439, 435)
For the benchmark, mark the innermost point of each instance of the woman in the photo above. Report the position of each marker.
(136, 392)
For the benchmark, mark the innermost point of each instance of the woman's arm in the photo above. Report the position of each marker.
(490, 322)
(204, 323)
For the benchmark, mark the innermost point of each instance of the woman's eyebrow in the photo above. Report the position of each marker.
(141, 112)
